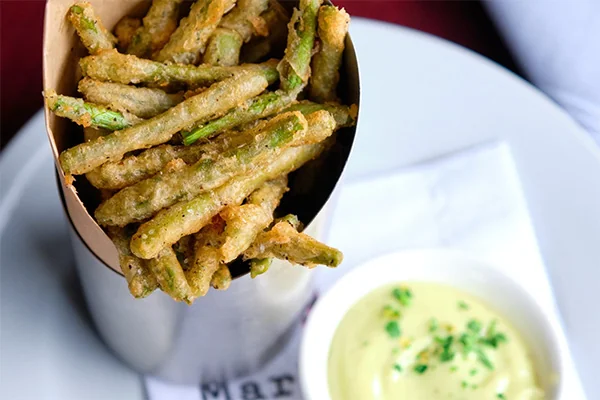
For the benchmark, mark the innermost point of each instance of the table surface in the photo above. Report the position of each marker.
(463, 22)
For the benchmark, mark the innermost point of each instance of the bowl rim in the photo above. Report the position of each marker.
(378, 272)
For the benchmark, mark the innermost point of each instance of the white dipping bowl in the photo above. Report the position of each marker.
(510, 299)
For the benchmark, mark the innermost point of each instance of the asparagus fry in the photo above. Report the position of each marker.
(143, 102)
(124, 31)
(159, 23)
(121, 68)
(188, 217)
(259, 107)
(211, 103)
(170, 275)
(294, 68)
(190, 38)
(144, 199)
(90, 29)
(140, 280)
(241, 18)
(283, 241)
(89, 114)
(333, 27)
(223, 48)
(273, 41)
(206, 258)
(344, 115)
(222, 278)
(259, 266)
(244, 222)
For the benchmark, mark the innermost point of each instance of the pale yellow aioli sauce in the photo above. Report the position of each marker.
(371, 359)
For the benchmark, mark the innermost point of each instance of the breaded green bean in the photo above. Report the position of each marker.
(158, 25)
(259, 107)
(189, 40)
(124, 31)
(135, 168)
(142, 200)
(294, 68)
(223, 48)
(206, 258)
(143, 102)
(242, 18)
(88, 114)
(273, 41)
(90, 29)
(221, 280)
(332, 28)
(140, 280)
(259, 266)
(113, 66)
(345, 116)
(245, 222)
(188, 217)
(170, 275)
(283, 241)
(211, 103)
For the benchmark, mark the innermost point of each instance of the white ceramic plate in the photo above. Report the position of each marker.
(537, 328)
(422, 97)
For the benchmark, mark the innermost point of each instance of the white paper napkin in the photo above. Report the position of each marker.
(469, 201)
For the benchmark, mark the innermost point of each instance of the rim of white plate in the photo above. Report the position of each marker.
(444, 266)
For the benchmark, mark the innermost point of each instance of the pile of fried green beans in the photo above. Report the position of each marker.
(190, 131)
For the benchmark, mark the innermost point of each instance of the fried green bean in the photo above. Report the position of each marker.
(206, 261)
(259, 266)
(89, 114)
(158, 25)
(135, 168)
(143, 102)
(170, 275)
(208, 104)
(273, 39)
(332, 29)
(223, 48)
(221, 279)
(188, 217)
(345, 116)
(242, 19)
(145, 198)
(294, 68)
(140, 280)
(245, 222)
(124, 31)
(90, 29)
(259, 107)
(189, 39)
(283, 241)
(113, 66)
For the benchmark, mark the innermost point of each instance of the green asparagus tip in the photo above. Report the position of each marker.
(77, 9)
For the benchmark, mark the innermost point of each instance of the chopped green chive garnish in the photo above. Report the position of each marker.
(473, 372)
(464, 384)
(403, 295)
(393, 329)
(398, 367)
(433, 325)
(453, 368)
(474, 386)
(501, 396)
(483, 358)
(462, 305)
(420, 368)
(474, 326)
